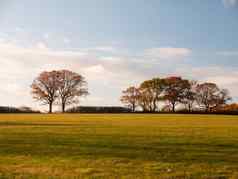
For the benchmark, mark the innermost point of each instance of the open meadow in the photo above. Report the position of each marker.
(118, 146)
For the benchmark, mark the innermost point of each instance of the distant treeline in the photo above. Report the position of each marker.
(231, 109)
(99, 109)
(7, 109)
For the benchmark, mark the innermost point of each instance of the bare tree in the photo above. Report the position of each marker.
(44, 88)
(209, 96)
(190, 96)
(71, 86)
(221, 99)
(130, 97)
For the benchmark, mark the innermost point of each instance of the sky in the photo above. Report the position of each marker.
(115, 44)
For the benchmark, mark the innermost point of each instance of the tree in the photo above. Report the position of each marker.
(44, 88)
(230, 107)
(130, 97)
(209, 96)
(190, 96)
(71, 86)
(145, 99)
(175, 90)
(150, 94)
(221, 99)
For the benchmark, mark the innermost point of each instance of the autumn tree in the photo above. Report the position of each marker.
(44, 88)
(175, 90)
(230, 107)
(70, 87)
(130, 98)
(150, 94)
(209, 96)
(145, 99)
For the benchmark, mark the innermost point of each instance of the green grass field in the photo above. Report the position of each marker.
(118, 146)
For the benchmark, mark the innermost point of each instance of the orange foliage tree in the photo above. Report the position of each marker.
(44, 88)
(62, 86)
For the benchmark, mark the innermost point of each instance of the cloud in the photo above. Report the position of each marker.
(46, 36)
(41, 45)
(105, 49)
(228, 53)
(97, 69)
(230, 3)
(224, 77)
(19, 29)
(107, 74)
(168, 53)
(19, 65)
(66, 40)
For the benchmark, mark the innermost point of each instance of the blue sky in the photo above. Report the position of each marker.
(116, 43)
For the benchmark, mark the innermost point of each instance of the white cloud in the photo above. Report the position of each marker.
(105, 49)
(19, 29)
(41, 46)
(107, 75)
(230, 3)
(20, 65)
(66, 40)
(168, 53)
(224, 77)
(97, 69)
(46, 36)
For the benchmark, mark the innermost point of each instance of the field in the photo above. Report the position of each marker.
(118, 146)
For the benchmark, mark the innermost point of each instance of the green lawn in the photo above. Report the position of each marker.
(118, 146)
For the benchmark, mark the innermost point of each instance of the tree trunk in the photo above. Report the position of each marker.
(144, 109)
(63, 107)
(189, 108)
(154, 106)
(173, 107)
(133, 108)
(50, 107)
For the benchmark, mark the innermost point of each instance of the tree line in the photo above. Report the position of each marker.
(23, 109)
(167, 94)
(64, 87)
(98, 109)
(60, 87)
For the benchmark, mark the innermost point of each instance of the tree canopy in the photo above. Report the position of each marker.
(175, 91)
(62, 86)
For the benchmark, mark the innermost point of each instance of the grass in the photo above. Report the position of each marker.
(118, 146)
